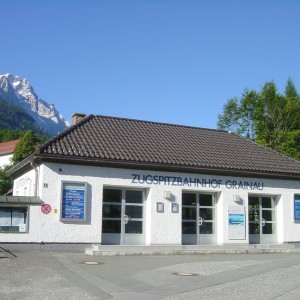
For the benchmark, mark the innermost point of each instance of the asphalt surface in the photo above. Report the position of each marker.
(54, 275)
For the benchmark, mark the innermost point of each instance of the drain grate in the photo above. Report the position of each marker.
(185, 274)
(92, 263)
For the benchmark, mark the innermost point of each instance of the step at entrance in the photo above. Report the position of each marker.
(102, 250)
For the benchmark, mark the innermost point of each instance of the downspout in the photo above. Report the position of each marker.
(36, 180)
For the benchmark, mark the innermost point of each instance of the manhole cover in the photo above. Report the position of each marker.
(92, 263)
(185, 274)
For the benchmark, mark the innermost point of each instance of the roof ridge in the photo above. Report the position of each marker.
(160, 123)
(62, 134)
(116, 141)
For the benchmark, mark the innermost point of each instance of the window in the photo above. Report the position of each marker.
(297, 208)
(14, 219)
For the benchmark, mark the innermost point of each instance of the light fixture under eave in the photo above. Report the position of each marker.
(236, 198)
(167, 195)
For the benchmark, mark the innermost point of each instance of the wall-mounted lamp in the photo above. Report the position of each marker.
(236, 198)
(167, 195)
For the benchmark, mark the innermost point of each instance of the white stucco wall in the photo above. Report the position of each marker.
(25, 185)
(160, 228)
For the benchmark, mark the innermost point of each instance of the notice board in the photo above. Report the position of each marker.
(73, 202)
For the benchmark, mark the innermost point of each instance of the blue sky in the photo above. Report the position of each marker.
(166, 61)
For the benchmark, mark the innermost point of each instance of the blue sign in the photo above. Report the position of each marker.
(73, 201)
(236, 219)
(297, 208)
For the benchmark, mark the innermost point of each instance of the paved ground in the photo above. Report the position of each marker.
(45, 275)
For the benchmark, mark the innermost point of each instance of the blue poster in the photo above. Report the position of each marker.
(73, 202)
(236, 219)
(297, 208)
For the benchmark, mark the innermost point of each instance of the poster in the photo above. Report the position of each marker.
(18, 217)
(297, 207)
(5, 217)
(73, 202)
(236, 223)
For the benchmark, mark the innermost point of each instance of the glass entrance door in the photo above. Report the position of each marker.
(198, 219)
(122, 217)
(262, 220)
(132, 231)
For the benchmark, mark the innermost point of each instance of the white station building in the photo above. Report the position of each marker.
(116, 181)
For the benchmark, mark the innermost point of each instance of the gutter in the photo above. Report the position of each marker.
(158, 167)
(36, 179)
(30, 162)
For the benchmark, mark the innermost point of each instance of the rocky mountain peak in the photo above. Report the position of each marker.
(19, 91)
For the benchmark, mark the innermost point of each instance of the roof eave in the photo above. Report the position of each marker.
(20, 200)
(21, 166)
(148, 166)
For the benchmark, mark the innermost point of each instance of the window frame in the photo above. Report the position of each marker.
(11, 207)
(82, 185)
(296, 207)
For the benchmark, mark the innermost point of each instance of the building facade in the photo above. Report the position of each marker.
(115, 181)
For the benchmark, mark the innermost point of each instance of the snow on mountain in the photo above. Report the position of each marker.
(19, 92)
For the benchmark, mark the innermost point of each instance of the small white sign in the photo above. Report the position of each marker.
(22, 228)
(160, 207)
(175, 207)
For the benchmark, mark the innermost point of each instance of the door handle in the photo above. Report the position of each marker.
(200, 222)
(126, 219)
(256, 218)
(263, 222)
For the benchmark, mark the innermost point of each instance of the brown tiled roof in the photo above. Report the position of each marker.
(134, 142)
(8, 147)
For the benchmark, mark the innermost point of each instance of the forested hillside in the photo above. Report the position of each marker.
(14, 122)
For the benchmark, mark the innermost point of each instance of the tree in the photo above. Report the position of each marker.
(5, 182)
(290, 144)
(239, 115)
(292, 106)
(25, 147)
(267, 117)
(230, 119)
